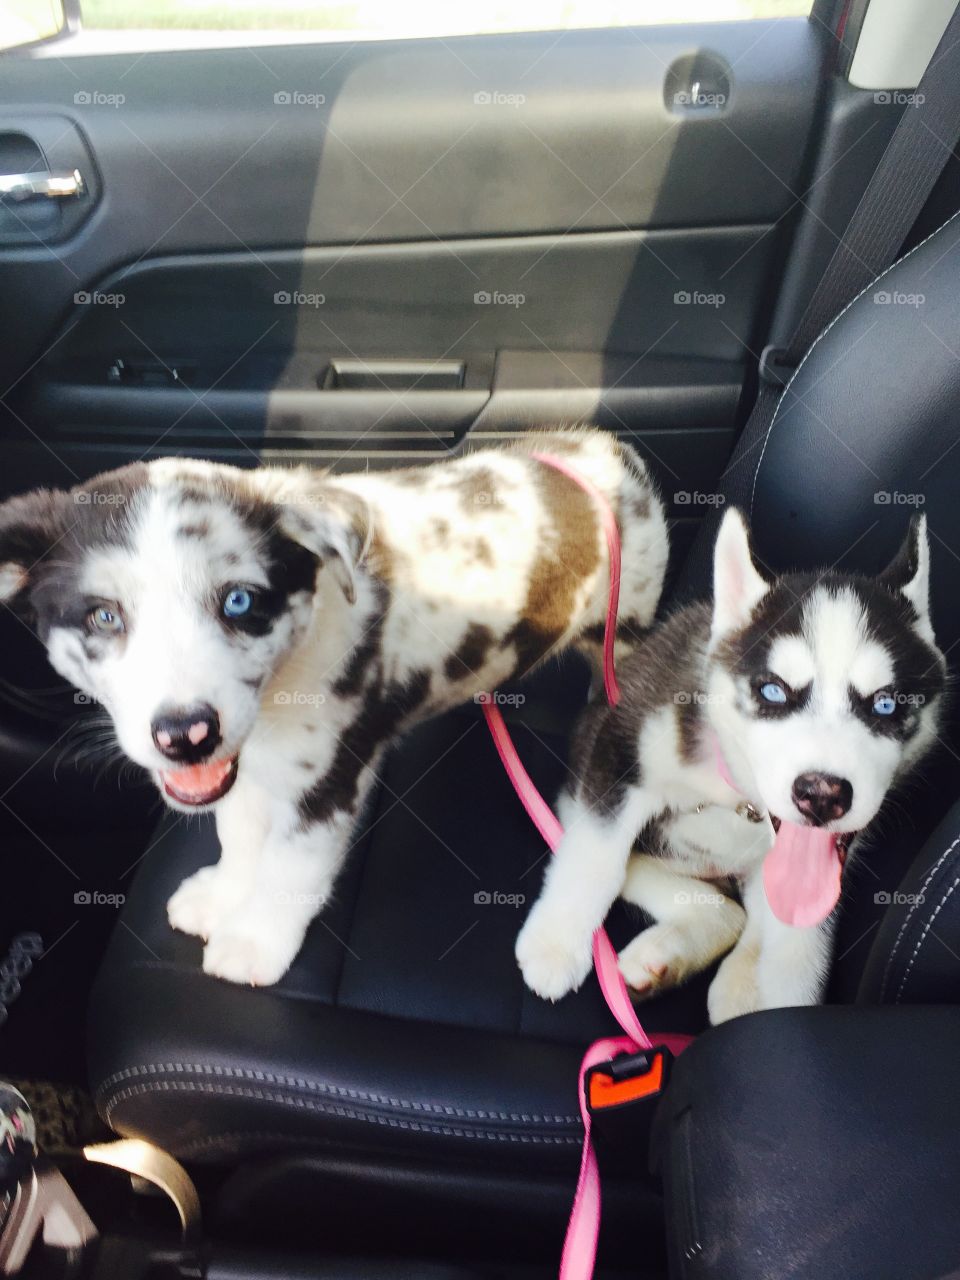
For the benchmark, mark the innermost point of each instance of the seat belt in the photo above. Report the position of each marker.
(900, 186)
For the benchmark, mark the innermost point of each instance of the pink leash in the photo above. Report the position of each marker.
(580, 1245)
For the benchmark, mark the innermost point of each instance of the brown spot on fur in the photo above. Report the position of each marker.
(478, 490)
(569, 555)
(471, 652)
(199, 529)
(483, 553)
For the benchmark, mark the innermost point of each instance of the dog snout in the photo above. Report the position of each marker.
(822, 797)
(187, 734)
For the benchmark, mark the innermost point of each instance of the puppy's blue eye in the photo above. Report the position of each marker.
(884, 704)
(237, 602)
(107, 621)
(774, 693)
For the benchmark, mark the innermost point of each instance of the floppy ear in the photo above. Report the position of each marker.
(908, 573)
(738, 584)
(30, 526)
(330, 524)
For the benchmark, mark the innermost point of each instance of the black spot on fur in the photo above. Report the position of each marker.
(49, 533)
(367, 652)
(384, 709)
(471, 653)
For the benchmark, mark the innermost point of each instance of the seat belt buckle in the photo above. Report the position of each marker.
(615, 1091)
(774, 369)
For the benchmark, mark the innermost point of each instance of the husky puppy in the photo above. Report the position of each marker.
(802, 699)
(259, 637)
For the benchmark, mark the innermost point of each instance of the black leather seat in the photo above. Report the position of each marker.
(403, 1033)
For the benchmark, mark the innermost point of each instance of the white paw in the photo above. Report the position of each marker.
(734, 991)
(657, 959)
(202, 901)
(552, 959)
(251, 957)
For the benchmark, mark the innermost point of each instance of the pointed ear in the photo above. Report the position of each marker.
(908, 573)
(738, 584)
(30, 526)
(329, 523)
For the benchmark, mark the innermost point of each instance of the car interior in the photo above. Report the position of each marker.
(364, 253)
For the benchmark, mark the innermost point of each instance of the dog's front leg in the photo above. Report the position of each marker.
(585, 876)
(212, 893)
(256, 943)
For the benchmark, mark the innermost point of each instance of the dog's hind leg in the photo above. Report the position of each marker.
(695, 925)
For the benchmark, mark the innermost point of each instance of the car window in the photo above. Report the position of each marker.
(384, 18)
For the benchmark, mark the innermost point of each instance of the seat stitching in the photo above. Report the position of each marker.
(923, 936)
(317, 1086)
(345, 1113)
(823, 334)
(914, 907)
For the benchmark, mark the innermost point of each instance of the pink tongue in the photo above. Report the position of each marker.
(198, 779)
(801, 874)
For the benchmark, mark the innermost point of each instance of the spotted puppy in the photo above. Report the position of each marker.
(820, 693)
(259, 637)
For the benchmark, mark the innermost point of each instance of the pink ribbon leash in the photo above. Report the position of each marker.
(580, 1244)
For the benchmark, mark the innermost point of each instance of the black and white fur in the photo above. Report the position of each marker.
(648, 780)
(379, 599)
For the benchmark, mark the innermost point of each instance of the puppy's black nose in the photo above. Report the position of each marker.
(187, 734)
(822, 796)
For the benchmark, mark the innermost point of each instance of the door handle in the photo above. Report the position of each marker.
(55, 185)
